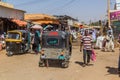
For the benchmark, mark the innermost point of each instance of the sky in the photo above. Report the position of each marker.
(83, 10)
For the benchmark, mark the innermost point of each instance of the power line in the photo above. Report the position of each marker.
(36, 1)
(63, 6)
(30, 2)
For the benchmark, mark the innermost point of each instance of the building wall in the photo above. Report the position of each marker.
(11, 13)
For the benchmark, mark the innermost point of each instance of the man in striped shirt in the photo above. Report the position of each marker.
(86, 44)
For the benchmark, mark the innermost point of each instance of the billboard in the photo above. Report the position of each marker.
(115, 15)
(118, 4)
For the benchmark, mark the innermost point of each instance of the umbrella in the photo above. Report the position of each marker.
(48, 27)
(36, 27)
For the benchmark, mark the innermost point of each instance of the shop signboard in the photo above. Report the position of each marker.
(115, 15)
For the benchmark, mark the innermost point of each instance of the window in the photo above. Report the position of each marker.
(52, 41)
(13, 36)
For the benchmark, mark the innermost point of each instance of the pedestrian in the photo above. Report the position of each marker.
(104, 41)
(29, 40)
(110, 42)
(36, 42)
(119, 39)
(119, 56)
(40, 36)
(98, 44)
(94, 35)
(86, 45)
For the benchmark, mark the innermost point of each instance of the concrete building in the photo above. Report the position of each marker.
(7, 13)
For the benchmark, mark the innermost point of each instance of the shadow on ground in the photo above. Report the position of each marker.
(81, 63)
(112, 70)
(54, 64)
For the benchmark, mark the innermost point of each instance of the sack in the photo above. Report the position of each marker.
(93, 55)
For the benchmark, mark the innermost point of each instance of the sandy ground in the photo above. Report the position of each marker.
(25, 67)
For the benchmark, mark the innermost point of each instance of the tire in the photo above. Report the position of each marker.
(41, 64)
(9, 53)
(65, 64)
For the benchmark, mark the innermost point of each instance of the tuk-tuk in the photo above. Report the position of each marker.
(17, 41)
(56, 45)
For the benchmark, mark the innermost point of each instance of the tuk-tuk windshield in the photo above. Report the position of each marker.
(13, 36)
(53, 42)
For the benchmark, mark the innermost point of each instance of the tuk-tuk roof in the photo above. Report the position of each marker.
(22, 31)
(55, 33)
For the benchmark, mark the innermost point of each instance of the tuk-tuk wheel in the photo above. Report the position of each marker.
(65, 64)
(9, 53)
(41, 64)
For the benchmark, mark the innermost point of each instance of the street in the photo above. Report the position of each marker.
(51, 23)
(25, 67)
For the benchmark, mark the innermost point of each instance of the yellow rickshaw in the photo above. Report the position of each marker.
(17, 41)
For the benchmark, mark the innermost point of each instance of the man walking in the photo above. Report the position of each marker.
(119, 56)
(86, 43)
(110, 42)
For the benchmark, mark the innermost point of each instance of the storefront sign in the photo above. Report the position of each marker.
(115, 15)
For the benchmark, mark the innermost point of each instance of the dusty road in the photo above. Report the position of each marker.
(25, 67)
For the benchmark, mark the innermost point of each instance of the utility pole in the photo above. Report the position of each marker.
(108, 5)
